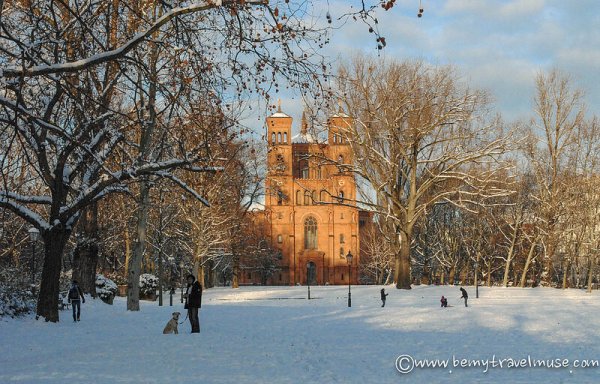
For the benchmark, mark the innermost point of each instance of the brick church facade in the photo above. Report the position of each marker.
(310, 212)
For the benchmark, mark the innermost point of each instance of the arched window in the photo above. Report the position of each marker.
(298, 197)
(334, 138)
(307, 198)
(273, 138)
(323, 196)
(342, 239)
(341, 197)
(340, 164)
(304, 172)
(310, 233)
(285, 137)
(279, 137)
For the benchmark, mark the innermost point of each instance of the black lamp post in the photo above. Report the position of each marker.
(308, 278)
(34, 234)
(349, 260)
(181, 278)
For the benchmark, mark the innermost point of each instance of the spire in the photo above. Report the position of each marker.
(278, 105)
(304, 126)
(340, 109)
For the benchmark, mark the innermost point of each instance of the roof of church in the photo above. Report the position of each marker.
(304, 138)
(279, 114)
(340, 114)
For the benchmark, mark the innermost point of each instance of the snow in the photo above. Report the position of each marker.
(304, 138)
(105, 287)
(273, 334)
(279, 114)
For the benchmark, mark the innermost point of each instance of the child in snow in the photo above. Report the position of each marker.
(383, 296)
(444, 302)
(74, 294)
(464, 295)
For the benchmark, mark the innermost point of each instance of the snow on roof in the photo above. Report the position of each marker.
(279, 114)
(304, 138)
(340, 114)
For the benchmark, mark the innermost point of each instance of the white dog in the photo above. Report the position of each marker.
(171, 326)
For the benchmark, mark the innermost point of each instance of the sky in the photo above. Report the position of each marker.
(495, 45)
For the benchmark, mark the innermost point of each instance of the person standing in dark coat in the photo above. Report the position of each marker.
(464, 295)
(193, 302)
(75, 297)
(383, 296)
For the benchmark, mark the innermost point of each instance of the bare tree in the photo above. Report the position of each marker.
(420, 138)
(559, 114)
(61, 60)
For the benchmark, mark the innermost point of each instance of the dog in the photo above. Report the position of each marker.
(171, 326)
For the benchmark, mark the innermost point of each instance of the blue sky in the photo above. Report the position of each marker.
(495, 45)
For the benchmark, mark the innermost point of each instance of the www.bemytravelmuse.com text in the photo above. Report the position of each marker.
(406, 363)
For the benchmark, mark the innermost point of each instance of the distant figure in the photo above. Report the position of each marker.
(444, 302)
(193, 302)
(75, 294)
(383, 296)
(464, 295)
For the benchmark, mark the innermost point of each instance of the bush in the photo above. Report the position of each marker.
(17, 296)
(148, 284)
(118, 278)
(105, 288)
(16, 302)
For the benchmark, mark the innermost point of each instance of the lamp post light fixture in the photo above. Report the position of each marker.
(349, 260)
(476, 280)
(34, 235)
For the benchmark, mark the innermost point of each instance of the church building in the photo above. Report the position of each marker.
(310, 204)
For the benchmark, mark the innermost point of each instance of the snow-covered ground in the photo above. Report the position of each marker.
(275, 335)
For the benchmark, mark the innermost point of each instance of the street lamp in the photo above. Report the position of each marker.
(349, 260)
(181, 277)
(34, 234)
(308, 278)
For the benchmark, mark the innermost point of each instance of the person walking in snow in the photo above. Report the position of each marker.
(76, 297)
(383, 296)
(444, 302)
(193, 302)
(464, 295)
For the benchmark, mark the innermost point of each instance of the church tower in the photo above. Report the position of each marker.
(310, 208)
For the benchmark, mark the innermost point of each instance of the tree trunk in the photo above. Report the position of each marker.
(236, 270)
(565, 284)
(211, 274)
(590, 274)
(511, 251)
(452, 275)
(85, 256)
(133, 278)
(127, 241)
(402, 272)
(527, 263)
(489, 275)
(55, 241)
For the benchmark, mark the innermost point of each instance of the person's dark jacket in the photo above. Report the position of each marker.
(194, 299)
(464, 293)
(79, 291)
(383, 294)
